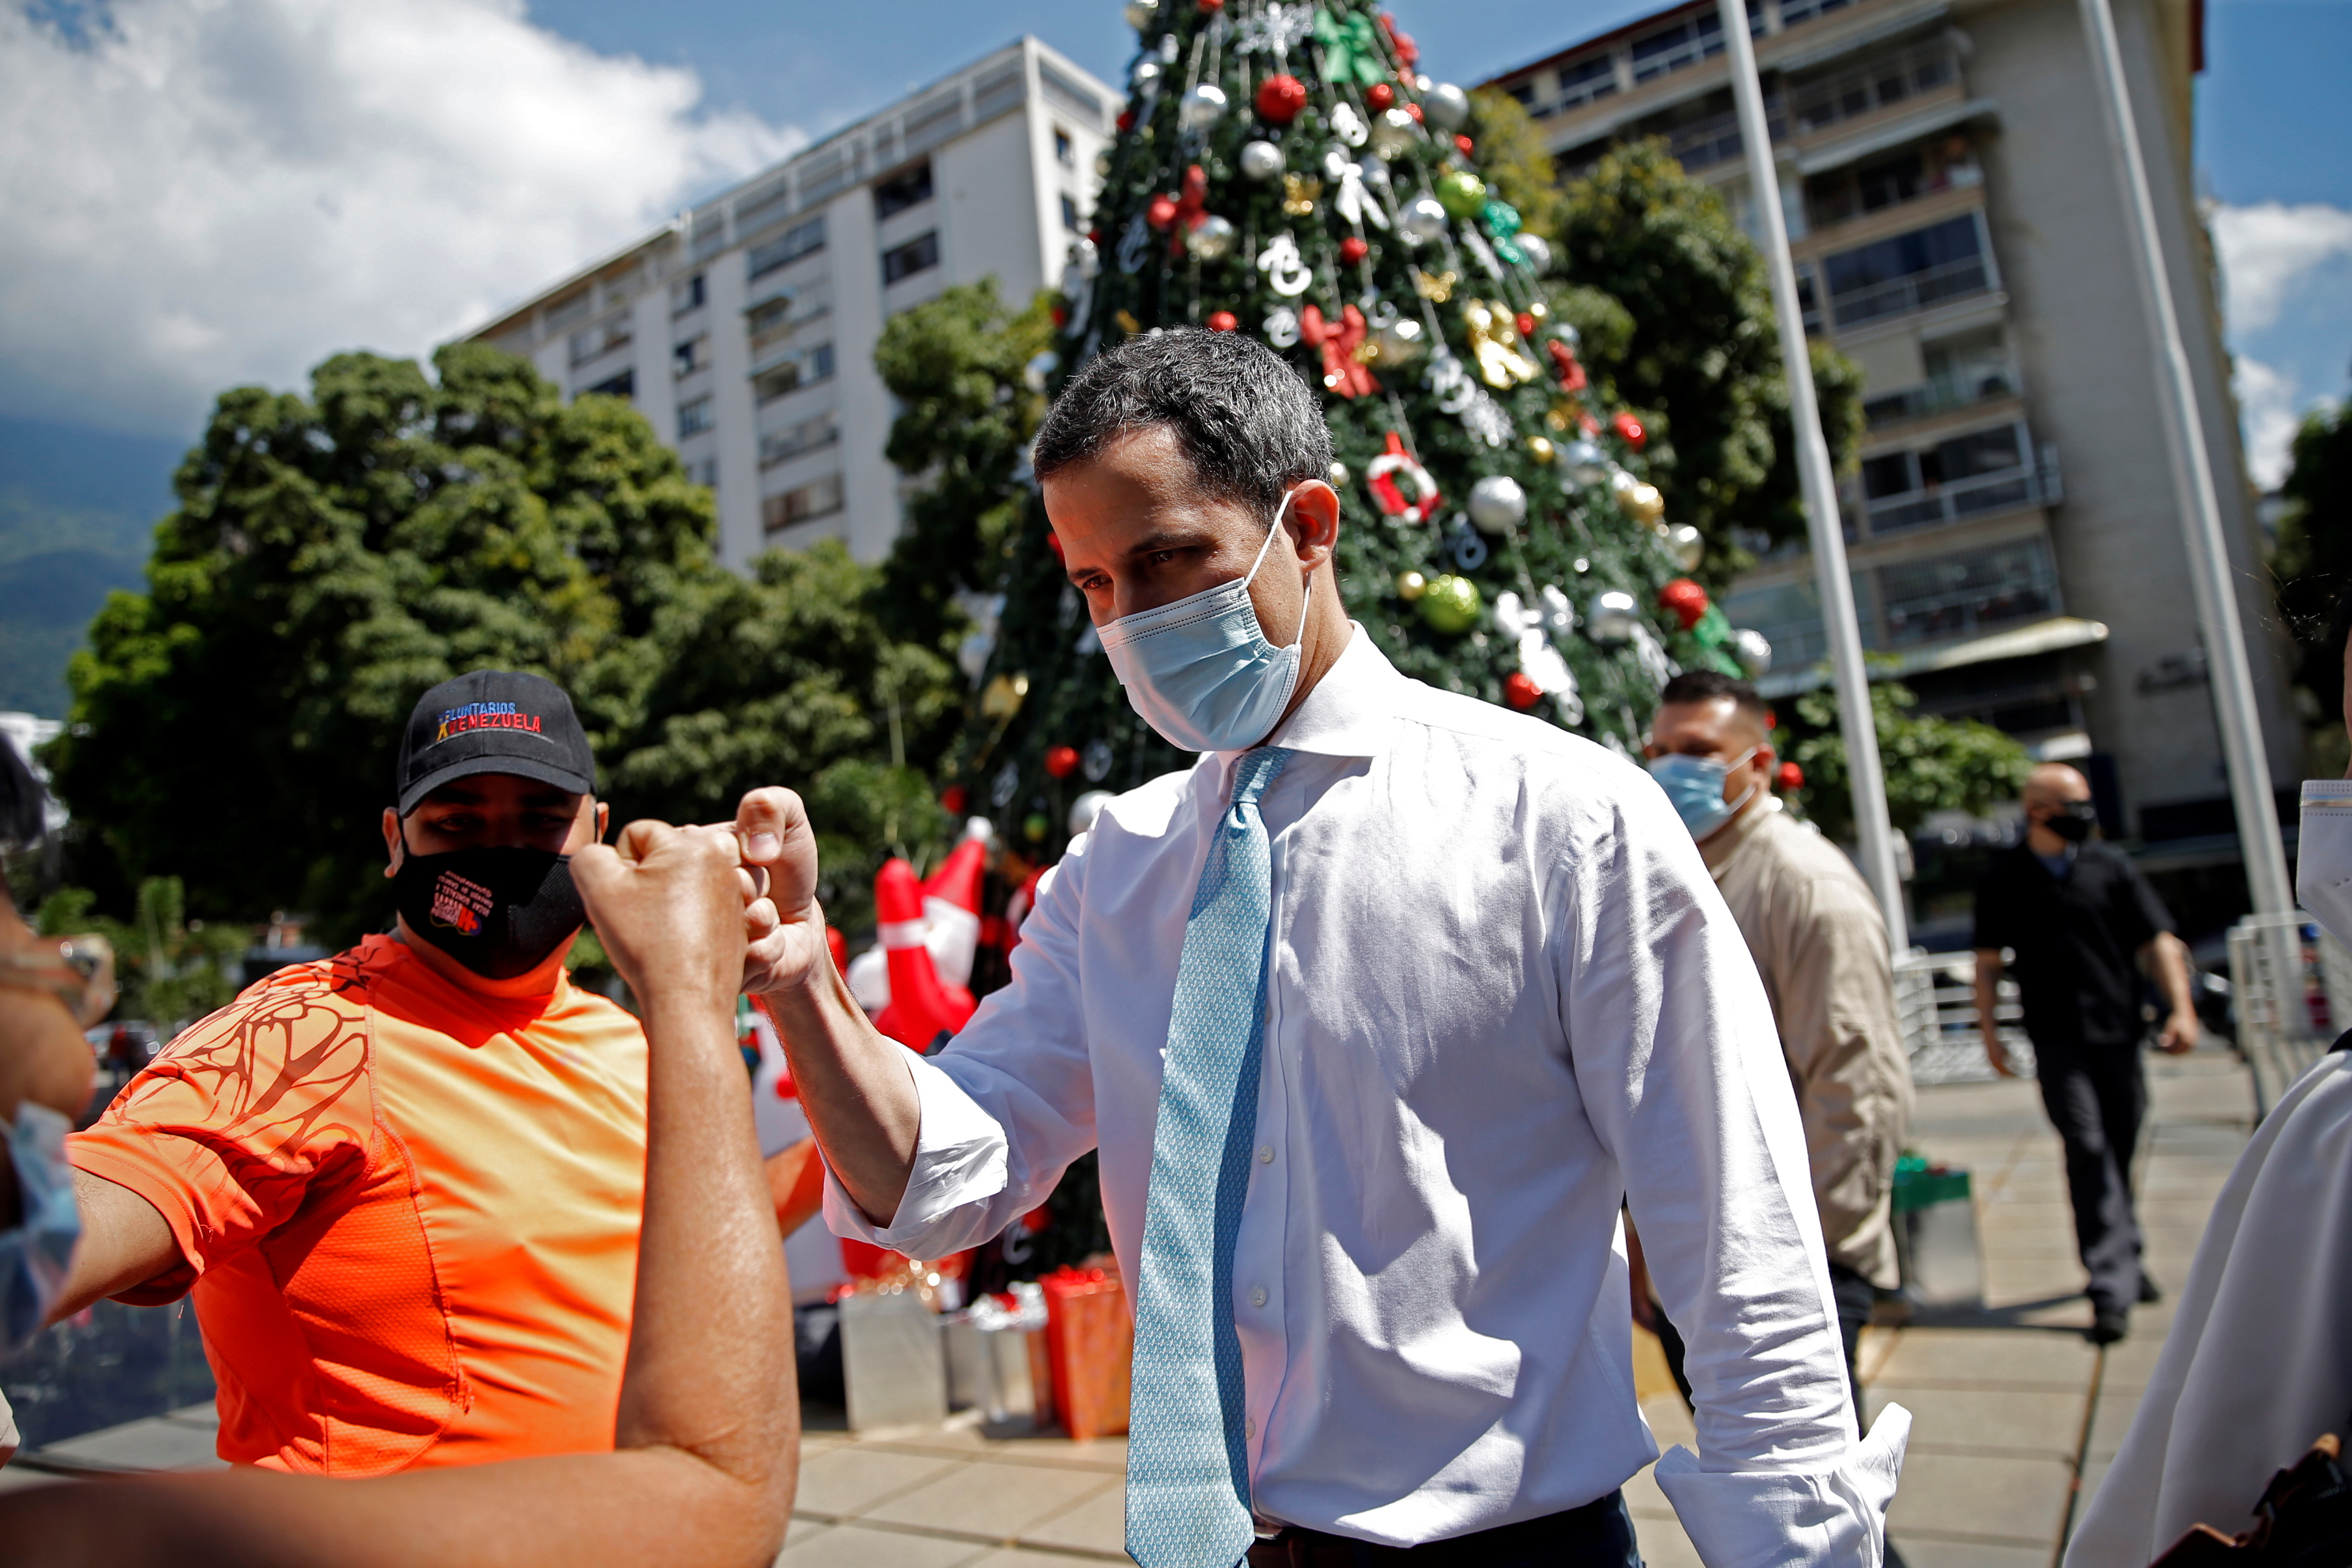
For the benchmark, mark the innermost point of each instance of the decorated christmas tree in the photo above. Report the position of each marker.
(1285, 169)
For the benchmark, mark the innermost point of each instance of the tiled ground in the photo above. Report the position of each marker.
(2011, 1407)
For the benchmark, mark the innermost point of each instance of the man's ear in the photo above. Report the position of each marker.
(604, 819)
(394, 849)
(1314, 522)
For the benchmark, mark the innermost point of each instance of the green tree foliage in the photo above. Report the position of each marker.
(1931, 764)
(332, 556)
(1701, 362)
(167, 968)
(2312, 561)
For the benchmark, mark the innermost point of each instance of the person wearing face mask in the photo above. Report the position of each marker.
(404, 1185)
(1820, 943)
(1378, 1016)
(2081, 923)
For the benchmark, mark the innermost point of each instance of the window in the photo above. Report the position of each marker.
(1975, 475)
(606, 335)
(788, 246)
(1908, 272)
(1066, 152)
(1525, 93)
(690, 295)
(916, 255)
(691, 356)
(813, 499)
(800, 370)
(1070, 219)
(622, 385)
(1877, 85)
(1590, 79)
(773, 319)
(806, 437)
(704, 471)
(1672, 48)
(695, 417)
(1795, 11)
(1965, 594)
(909, 187)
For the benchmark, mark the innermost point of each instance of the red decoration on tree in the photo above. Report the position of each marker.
(954, 798)
(1061, 315)
(1280, 98)
(1352, 250)
(1413, 110)
(1053, 543)
(1342, 373)
(1629, 430)
(921, 1004)
(1380, 95)
(1061, 761)
(1126, 119)
(1564, 360)
(1382, 476)
(1463, 142)
(1223, 320)
(1406, 49)
(1686, 598)
(1789, 775)
(1520, 691)
(1191, 209)
(1588, 423)
(1526, 323)
(1159, 212)
(1213, 4)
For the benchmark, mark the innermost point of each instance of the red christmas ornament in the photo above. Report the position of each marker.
(1380, 95)
(1407, 50)
(1463, 142)
(1520, 691)
(1686, 598)
(1563, 359)
(1223, 320)
(1053, 543)
(1192, 208)
(1342, 371)
(1159, 212)
(1789, 775)
(1280, 98)
(1629, 430)
(1061, 761)
(1588, 423)
(1093, 237)
(1126, 119)
(1213, 4)
(953, 799)
(1061, 315)
(1388, 475)
(1413, 110)
(1352, 250)
(1526, 323)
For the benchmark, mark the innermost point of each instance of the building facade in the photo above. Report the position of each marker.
(2014, 533)
(745, 330)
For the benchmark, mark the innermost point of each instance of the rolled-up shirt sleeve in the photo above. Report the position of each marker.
(1008, 1105)
(1672, 1041)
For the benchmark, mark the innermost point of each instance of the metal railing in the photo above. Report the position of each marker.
(1878, 85)
(2292, 985)
(1935, 1001)
(1945, 394)
(1912, 291)
(1985, 495)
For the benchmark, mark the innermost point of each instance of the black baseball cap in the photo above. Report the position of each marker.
(493, 722)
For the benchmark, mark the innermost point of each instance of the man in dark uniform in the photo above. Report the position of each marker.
(2081, 923)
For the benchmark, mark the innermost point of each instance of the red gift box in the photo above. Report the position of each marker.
(1090, 1343)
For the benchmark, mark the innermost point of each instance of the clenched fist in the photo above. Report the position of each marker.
(667, 904)
(784, 929)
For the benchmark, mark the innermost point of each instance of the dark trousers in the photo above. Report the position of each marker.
(1598, 1535)
(2096, 1097)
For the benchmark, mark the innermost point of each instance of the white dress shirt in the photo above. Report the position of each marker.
(1503, 999)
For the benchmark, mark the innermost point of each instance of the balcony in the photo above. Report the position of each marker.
(1965, 594)
(1865, 90)
(1912, 292)
(1963, 501)
(1945, 394)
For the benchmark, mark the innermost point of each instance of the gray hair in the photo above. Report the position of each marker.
(1244, 418)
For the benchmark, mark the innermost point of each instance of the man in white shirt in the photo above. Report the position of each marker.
(1377, 1016)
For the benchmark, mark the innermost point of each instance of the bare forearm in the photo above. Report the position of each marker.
(856, 1087)
(2168, 956)
(124, 1243)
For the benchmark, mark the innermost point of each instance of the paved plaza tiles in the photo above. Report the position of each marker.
(2016, 1416)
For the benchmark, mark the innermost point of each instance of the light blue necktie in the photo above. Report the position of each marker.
(1188, 1489)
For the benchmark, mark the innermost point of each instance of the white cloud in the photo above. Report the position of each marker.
(211, 192)
(2268, 249)
(2266, 408)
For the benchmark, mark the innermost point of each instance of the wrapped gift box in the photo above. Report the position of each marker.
(891, 1364)
(1089, 1344)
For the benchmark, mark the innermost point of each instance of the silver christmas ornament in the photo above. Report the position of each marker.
(1399, 341)
(1754, 653)
(1688, 547)
(1141, 14)
(1497, 504)
(1614, 617)
(1146, 73)
(1447, 107)
(1203, 107)
(1085, 808)
(1393, 132)
(1584, 461)
(1423, 218)
(1260, 160)
(1538, 251)
(1338, 476)
(1211, 237)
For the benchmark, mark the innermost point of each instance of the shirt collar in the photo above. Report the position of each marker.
(1717, 848)
(1350, 711)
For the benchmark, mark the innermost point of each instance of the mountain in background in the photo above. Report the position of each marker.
(78, 514)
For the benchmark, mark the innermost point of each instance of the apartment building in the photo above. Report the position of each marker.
(745, 330)
(2013, 532)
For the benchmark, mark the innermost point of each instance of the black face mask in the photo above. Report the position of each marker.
(499, 911)
(2073, 821)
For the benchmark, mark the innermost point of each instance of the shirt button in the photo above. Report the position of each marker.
(1257, 1295)
(1266, 1153)
(1249, 1427)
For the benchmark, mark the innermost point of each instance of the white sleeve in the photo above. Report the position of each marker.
(1672, 1041)
(1008, 1105)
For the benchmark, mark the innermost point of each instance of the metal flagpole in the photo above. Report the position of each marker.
(1820, 484)
(2192, 479)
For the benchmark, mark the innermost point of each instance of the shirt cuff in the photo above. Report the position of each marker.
(959, 1162)
(1749, 1519)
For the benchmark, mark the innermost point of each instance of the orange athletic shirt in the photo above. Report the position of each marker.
(409, 1212)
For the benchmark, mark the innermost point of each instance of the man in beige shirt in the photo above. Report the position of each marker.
(1821, 945)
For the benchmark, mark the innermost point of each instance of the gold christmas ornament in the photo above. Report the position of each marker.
(1538, 310)
(1640, 501)
(1434, 287)
(1556, 419)
(1299, 195)
(1539, 448)
(1495, 345)
(1338, 476)
(1001, 699)
(1127, 322)
(1411, 585)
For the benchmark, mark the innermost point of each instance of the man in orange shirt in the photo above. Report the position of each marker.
(404, 1185)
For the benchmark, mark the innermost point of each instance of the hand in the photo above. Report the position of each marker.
(2180, 1034)
(666, 903)
(784, 929)
(1998, 1055)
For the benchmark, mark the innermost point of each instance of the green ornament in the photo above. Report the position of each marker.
(1451, 605)
(1035, 829)
(1351, 50)
(1461, 193)
(1501, 221)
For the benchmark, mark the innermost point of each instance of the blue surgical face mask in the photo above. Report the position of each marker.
(36, 1254)
(1695, 787)
(1201, 671)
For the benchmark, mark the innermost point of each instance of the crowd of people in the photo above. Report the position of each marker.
(487, 1267)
